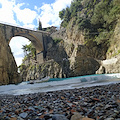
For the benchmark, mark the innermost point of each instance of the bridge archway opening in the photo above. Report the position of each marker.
(35, 38)
(16, 45)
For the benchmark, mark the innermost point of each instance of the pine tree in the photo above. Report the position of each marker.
(40, 25)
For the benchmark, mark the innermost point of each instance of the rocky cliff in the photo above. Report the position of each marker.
(65, 58)
(8, 67)
(87, 42)
(110, 65)
(68, 55)
(112, 62)
(83, 59)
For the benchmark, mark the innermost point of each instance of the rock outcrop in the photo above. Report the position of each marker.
(114, 49)
(112, 63)
(8, 67)
(49, 68)
(82, 59)
(110, 66)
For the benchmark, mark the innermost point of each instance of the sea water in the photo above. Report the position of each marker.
(61, 84)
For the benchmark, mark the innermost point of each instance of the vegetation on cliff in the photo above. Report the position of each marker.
(40, 25)
(29, 50)
(96, 17)
(51, 29)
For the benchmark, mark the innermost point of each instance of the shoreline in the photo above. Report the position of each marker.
(96, 102)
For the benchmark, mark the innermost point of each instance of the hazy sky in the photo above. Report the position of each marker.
(26, 13)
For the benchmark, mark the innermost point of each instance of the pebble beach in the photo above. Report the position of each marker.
(90, 103)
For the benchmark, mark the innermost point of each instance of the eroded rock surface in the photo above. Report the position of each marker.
(8, 67)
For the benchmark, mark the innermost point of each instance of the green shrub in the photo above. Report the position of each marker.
(57, 40)
(22, 67)
(98, 17)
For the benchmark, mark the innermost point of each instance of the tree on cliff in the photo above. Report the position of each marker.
(61, 14)
(40, 25)
(97, 17)
(24, 50)
(29, 50)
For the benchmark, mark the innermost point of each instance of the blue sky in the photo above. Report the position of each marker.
(26, 13)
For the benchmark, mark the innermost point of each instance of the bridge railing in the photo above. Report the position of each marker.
(16, 25)
(27, 28)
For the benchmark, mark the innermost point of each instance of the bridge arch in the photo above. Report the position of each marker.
(31, 37)
(36, 37)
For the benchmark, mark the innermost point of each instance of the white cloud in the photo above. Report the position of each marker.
(30, 26)
(10, 9)
(26, 15)
(50, 12)
(46, 15)
(60, 4)
(6, 12)
(37, 8)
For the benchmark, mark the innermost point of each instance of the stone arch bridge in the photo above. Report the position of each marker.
(39, 38)
(8, 67)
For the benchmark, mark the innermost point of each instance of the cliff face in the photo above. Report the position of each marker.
(114, 48)
(49, 68)
(70, 56)
(56, 64)
(90, 35)
(112, 63)
(110, 66)
(65, 58)
(8, 67)
(83, 59)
